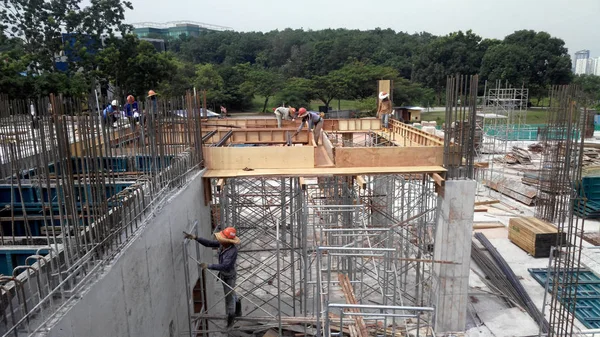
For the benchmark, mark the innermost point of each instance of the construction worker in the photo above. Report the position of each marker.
(226, 242)
(310, 117)
(131, 111)
(108, 115)
(283, 113)
(384, 109)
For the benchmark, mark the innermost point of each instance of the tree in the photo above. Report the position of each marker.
(263, 82)
(134, 66)
(547, 57)
(207, 78)
(411, 93)
(508, 63)
(590, 84)
(41, 24)
(298, 92)
(456, 53)
(180, 81)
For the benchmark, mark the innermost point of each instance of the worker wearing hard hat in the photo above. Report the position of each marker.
(309, 117)
(226, 242)
(384, 109)
(283, 113)
(131, 111)
(109, 114)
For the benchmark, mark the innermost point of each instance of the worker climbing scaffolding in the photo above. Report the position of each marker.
(226, 242)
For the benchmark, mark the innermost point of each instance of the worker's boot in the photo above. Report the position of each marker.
(230, 320)
(238, 308)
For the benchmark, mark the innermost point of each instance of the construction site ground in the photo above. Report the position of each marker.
(488, 315)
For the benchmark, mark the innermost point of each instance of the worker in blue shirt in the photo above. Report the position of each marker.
(108, 115)
(226, 242)
(131, 111)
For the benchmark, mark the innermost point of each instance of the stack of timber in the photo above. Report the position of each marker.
(513, 188)
(533, 235)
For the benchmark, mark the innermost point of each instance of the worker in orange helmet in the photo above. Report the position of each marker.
(131, 111)
(226, 242)
(310, 118)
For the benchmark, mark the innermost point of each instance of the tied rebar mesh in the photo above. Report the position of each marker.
(79, 189)
(562, 140)
(460, 126)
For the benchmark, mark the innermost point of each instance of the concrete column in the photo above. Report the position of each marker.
(453, 243)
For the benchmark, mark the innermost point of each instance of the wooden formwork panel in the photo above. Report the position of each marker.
(358, 124)
(391, 156)
(263, 157)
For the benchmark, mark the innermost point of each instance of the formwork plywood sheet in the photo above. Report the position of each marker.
(326, 171)
(388, 156)
(263, 157)
(358, 124)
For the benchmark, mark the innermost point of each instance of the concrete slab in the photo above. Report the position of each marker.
(509, 323)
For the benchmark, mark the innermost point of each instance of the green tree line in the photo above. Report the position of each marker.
(288, 66)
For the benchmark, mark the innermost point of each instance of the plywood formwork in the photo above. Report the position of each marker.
(255, 136)
(319, 172)
(264, 157)
(389, 156)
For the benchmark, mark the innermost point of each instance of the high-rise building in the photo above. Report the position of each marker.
(580, 62)
(173, 29)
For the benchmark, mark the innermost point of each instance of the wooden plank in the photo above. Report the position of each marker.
(388, 156)
(220, 184)
(264, 157)
(438, 179)
(319, 172)
(487, 202)
(302, 181)
(321, 158)
(328, 147)
(360, 181)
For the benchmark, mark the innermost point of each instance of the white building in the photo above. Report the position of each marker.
(581, 66)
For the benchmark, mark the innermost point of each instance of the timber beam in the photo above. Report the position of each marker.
(253, 136)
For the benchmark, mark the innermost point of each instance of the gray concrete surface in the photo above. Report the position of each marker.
(142, 292)
(453, 243)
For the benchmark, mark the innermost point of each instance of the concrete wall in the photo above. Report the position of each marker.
(453, 243)
(142, 293)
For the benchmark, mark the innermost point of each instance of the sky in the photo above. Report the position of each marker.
(575, 21)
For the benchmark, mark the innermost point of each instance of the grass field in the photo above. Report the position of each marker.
(532, 116)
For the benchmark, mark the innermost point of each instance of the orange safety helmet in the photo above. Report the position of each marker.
(228, 236)
(151, 93)
(302, 112)
(130, 99)
(229, 233)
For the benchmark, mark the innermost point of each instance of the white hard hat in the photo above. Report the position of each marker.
(383, 95)
(114, 102)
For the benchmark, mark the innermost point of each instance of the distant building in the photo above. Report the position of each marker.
(159, 44)
(173, 29)
(581, 62)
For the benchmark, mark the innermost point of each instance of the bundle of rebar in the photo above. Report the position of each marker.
(505, 280)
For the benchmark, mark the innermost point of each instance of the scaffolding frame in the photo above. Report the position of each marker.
(296, 234)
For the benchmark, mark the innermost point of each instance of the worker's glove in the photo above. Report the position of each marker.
(189, 236)
(203, 265)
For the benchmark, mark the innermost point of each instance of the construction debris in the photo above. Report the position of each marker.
(516, 156)
(514, 189)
